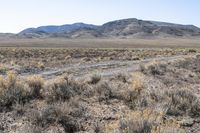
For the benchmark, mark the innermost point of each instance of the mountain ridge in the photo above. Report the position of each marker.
(123, 28)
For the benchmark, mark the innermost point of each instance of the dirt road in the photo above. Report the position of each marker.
(105, 69)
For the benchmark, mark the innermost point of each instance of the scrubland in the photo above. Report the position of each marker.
(35, 60)
(159, 97)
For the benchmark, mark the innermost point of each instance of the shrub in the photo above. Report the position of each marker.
(103, 91)
(3, 69)
(138, 81)
(192, 50)
(120, 91)
(140, 121)
(122, 77)
(55, 114)
(12, 90)
(144, 121)
(88, 91)
(154, 68)
(41, 65)
(94, 79)
(63, 89)
(36, 84)
(135, 89)
(19, 109)
(183, 102)
(49, 114)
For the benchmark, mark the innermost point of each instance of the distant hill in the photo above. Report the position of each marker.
(139, 28)
(125, 28)
(58, 29)
(5, 36)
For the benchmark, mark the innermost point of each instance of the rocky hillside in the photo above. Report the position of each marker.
(140, 28)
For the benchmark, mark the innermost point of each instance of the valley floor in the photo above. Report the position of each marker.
(106, 43)
(99, 90)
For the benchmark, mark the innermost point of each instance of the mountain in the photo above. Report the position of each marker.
(54, 31)
(125, 28)
(57, 29)
(138, 28)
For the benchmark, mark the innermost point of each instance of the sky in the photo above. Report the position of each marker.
(16, 15)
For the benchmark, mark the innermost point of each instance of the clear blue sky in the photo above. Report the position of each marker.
(15, 15)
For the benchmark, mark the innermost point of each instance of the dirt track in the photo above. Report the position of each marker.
(105, 69)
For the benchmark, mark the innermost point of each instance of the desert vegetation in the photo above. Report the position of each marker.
(159, 97)
(35, 60)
